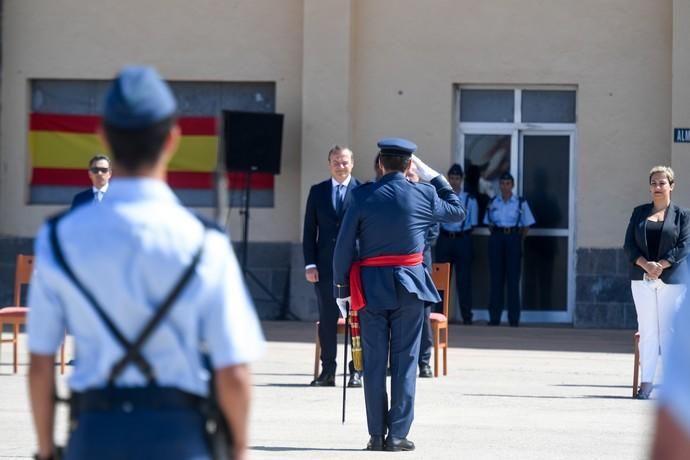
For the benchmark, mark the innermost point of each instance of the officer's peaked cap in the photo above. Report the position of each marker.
(396, 146)
(137, 98)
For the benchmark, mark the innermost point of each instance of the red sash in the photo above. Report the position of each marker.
(356, 291)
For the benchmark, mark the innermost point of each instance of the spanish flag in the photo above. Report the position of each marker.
(61, 145)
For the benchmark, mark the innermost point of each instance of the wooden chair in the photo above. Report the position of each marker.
(15, 314)
(317, 350)
(636, 365)
(440, 274)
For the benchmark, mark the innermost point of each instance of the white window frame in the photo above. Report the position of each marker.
(517, 130)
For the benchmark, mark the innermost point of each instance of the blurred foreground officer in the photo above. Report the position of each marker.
(140, 405)
(326, 205)
(508, 218)
(99, 174)
(454, 244)
(672, 441)
(390, 217)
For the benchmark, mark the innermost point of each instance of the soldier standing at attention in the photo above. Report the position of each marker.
(391, 217)
(509, 218)
(454, 244)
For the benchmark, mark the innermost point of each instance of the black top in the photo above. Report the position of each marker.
(673, 243)
(653, 233)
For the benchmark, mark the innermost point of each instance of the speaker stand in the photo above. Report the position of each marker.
(285, 312)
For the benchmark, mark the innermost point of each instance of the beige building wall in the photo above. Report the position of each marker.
(204, 40)
(681, 97)
(409, 54)
(352, 71)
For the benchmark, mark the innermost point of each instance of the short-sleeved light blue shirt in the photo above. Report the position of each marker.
(471, 210)
(675, 392)
(129, 252)
(508, 213)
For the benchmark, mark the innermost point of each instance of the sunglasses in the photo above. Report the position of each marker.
(97, 169)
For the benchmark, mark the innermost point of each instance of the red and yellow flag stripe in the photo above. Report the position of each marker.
(60, 146)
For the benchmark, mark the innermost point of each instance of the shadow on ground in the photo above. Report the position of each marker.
(479, 336)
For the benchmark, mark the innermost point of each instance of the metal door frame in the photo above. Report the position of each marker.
(517, 130)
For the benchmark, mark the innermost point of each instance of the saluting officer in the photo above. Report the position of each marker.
(454, 244)
(391, 217)
(509, 218)
(141, 402)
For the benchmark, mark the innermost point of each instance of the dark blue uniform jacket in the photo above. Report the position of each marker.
(391, 217)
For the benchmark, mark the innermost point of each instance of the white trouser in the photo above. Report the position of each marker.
(656, 303)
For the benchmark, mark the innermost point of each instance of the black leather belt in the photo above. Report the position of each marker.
(505, 230)
(131, 399)
(453, 235)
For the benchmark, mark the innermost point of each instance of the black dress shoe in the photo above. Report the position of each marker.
(514, 324)
(467, 322)
(398, 444)
(494, 323)
(355, 380)
(425, 371)
(324, 380)
(375, 443)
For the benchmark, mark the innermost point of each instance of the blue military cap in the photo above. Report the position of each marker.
(137, 98)
(396, 146)
(455, 170)
(507, 176)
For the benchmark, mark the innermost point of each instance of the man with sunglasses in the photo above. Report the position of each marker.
(99, 173)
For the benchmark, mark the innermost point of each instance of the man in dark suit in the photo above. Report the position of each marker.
(99, 173)
(326, 206)
(390, 219)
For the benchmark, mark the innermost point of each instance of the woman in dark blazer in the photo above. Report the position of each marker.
(657, 245)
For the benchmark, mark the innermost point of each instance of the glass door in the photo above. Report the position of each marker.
(546, 184)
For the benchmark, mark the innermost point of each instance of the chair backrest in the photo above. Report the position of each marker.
(440, 274)
(22, 275)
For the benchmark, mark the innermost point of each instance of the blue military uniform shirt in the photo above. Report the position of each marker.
(508, 213)
(129, 252)
(471, 211)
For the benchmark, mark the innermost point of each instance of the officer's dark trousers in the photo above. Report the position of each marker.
(138, 435)
(328, 324)
(427, 342)
(403, 325)
(458, 251)
(505, 262)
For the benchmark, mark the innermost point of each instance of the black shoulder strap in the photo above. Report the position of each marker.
(132, 349)
(519, 217)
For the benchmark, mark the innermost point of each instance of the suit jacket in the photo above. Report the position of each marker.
(82, 198)
(392, 217)
(673, 244)
(321, 225)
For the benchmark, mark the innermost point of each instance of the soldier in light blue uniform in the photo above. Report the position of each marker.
(454, 244)
(672, 440)
(130, 252)
(390, 218)
(508, 217)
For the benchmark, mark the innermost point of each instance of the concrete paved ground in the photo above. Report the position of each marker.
(527, 393)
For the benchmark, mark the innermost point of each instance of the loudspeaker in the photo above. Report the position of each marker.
(252, 141)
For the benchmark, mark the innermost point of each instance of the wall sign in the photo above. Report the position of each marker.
(681, 135)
